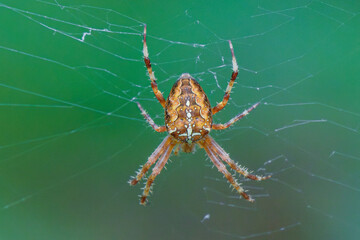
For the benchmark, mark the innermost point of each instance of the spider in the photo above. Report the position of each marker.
(188, 121)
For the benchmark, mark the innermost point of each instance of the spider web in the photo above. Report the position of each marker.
(72, 134)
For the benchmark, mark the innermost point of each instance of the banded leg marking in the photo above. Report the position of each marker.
(234, 74)
(154, 86)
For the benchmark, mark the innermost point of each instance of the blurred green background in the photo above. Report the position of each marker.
(71, 134)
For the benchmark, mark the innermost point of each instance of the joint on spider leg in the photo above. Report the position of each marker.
(227, 93)
(152, 77)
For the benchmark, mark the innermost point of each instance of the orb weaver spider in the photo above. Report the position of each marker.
(188, 121)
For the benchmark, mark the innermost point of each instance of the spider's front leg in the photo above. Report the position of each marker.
(154, 86)
(234, 74)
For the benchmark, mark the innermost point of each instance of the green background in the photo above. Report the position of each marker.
(71, 134)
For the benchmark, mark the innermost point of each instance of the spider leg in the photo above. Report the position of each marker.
(234, 119)
(156, 171)
(150, 121)
(226, 158)
(234, 74)
(221, 167)
(157, 93)
(152, 159)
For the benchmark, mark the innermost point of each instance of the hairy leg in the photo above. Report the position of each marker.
(152, 159)
(226, 158)
(234, 74)
(156, 171)
(221, 167)
(150, 121)
(234, 119)
(154, 86)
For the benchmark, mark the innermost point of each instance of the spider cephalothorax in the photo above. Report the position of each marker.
(188, 120)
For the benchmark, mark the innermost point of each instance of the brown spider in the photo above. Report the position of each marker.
(188, 118)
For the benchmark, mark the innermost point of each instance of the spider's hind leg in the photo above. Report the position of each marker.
(222, 168)
(152, 159)
(226, 158)
(156, 171)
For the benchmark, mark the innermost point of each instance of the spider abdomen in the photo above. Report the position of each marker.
(188, 116)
